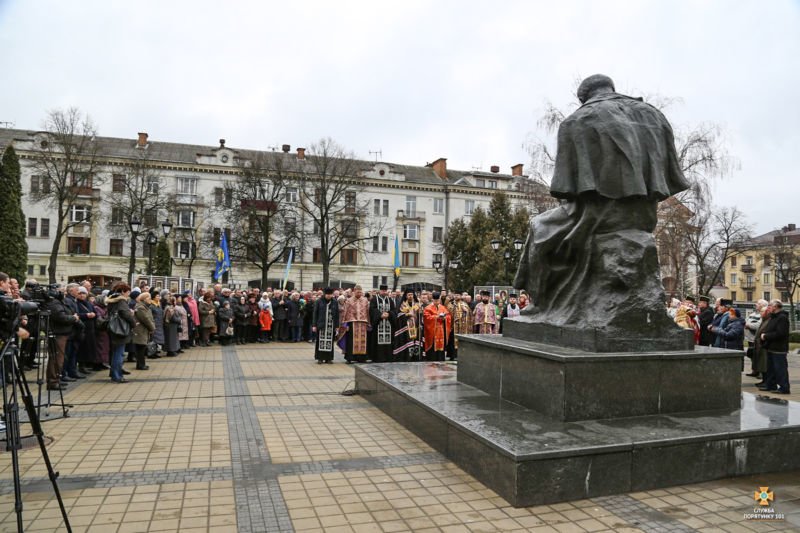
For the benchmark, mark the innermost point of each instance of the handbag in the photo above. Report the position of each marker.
(117, 326)
(152, 348)
(229, 331)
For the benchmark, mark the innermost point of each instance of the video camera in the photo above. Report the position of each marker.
(41, 295)
(10, 312)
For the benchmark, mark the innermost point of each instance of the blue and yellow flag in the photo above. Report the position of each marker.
(223, 258)
(396, 256)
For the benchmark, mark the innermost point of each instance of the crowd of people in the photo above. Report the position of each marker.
(765, 330)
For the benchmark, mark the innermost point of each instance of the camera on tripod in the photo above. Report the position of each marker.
(41, 294)
(11, 311)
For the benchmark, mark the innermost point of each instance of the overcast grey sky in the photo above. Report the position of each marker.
(464, 80)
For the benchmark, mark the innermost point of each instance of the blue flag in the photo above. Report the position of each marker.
(288, 267)
(223, 258)
(396, 256)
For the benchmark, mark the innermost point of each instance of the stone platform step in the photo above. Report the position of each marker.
(530, 459)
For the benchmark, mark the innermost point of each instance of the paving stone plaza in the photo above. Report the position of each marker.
(260, 439)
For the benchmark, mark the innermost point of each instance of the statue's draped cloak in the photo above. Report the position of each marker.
(617, 147)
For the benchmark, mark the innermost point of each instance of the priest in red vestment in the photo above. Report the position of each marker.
(438, 329)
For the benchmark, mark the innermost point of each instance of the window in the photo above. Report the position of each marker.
(384, 244)
(375, 281)
(733, 279)
(376, 207)
(40, 184)
(437, 258)
(469, 207)
(438, 206)
(317, 255)
(380, 244)
(216, 237)
(480, 183)
(290, 225)
(290, 250)
(386, 208)
(81, 179)
(410, 259)
(80, 213)
(34, 184)
(784, 296)
(767, 295)
(437, 235)
(32, 225)
(223, 196)
(350, 229)
(217, 196)
(151, 218)
(765, 277)
(185, 249)
(185, 218)
(115, 247)
(733, 295)
(350, 202)
(411, 231)
(118, 182)
(411, 206)
(733, 261)
(117, 216)
(78, 245)
(749, 296)
(492, 184)
(30, 270)
(187, 185)
(152, 185)
(316, 228)
(749, 280)
(748, 260)
(349, 256)
(44, 229)
(42, 270)
(291, 195)
(767, 260)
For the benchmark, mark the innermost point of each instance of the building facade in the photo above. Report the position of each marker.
(412, 203)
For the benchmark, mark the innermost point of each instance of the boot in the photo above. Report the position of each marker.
(140, 362)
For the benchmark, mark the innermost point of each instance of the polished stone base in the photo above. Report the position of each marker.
(568, 384)
(530, 459)
(665, 338)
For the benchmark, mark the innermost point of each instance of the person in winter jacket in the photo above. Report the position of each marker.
(241, 316)
(732, 334)
(143, 331)
(158, 320)
(62, 320)
(265, 317)
(117, 304)
(776, 340)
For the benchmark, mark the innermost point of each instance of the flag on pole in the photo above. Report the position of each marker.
(396, 256)
(223, 258)
(288, 266)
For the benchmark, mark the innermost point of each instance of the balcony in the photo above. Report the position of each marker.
(85, 192)
(782, 285)
(748, 286)
(409, 245)
(749, 269)
(402, 214)
(189, 199)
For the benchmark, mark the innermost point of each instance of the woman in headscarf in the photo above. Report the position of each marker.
(158, 320)
(143, 331)
(183, 327)
(171, 322)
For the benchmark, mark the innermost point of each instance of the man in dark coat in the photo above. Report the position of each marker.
(62, 321)
(705, 317)
(592, 261)
(382, 313)
(776, 339)
(280, 329)
(293, 318)
(326, 323)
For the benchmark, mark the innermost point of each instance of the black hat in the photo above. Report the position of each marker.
(690, 298)
(512, 295)
(705, 299)
(383, 288)
(436, 295)
(484, 293)
(328, 290)
(725, 302)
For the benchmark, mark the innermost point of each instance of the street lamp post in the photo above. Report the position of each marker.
(135, 225)
(151, 240)
(507, 255)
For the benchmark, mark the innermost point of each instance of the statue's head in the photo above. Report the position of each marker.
(594, 85)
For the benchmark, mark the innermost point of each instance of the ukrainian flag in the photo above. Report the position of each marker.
(396, 256)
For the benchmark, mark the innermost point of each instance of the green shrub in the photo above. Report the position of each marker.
(794, 336)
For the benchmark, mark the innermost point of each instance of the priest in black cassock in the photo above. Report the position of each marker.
(382, 313)
(325, 325)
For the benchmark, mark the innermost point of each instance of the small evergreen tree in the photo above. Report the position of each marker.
(14, 256)
(163, 262)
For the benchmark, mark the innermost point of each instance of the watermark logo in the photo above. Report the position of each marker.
(763, 496)
(764, 512)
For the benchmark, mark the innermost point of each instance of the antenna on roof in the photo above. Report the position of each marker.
(377, 153)
(478, 168)
(5, 124)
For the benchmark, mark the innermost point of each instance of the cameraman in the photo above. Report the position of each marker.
(5, 290)
(29, 348)
(62, 322)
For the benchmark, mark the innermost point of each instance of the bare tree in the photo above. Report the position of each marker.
(262, 224)
(65, 164)
(785, 251)
(329, 197)
(719, 235)
(139, 194)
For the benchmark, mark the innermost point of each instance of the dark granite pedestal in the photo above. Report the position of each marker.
(530, 458)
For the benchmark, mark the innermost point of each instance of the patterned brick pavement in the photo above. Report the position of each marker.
(259, 438)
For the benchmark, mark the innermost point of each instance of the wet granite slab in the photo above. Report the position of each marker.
(596, 340)
(569, 384)
(530, 459)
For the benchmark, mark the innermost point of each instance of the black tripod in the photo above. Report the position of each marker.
(43, 343)
(15, 386)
